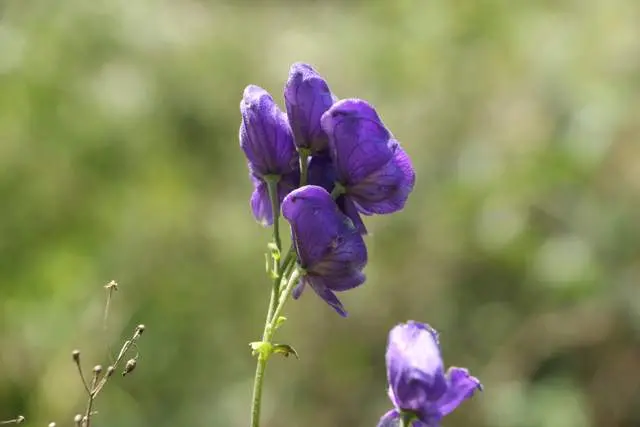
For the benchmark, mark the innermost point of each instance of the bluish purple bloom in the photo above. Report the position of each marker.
(418, 383)
(322, 172)
(307, 96)
(267, 142)
(330, 249)
(376, 173)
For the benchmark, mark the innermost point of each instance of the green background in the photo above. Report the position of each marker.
(119, 159)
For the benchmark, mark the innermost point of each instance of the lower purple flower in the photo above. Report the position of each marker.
(418, 383)
(330, 249)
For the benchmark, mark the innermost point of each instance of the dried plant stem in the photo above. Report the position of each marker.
(17, 420)
(98, 381)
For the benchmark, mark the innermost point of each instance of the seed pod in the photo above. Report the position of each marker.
(129, 367)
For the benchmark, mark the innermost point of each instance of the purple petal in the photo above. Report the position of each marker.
(345, 255)
(260, 203)
(461, 386)
(390, 419)
(327, 295)
(315, 222)
(265, 135)
(322, 172)
(307, 97)
(358, 140)
(287, 184)
(323, 236)
(297, 291)
(387, 189)
(347, 206)
(414, 366)
(344, 283)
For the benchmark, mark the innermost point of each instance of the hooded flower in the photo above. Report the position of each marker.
(267, 142)
(374, 170)
(330, 250)
(418, 383)
(307, 97)
(322, 172)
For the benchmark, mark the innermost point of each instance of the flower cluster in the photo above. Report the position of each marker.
(323, 164)
(419, 388)
(326, 162)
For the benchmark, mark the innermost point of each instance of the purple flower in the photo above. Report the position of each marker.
(322, 172)
(267, 142)
(330, 249)
(418, 383)
(374, 170)
(307, 97)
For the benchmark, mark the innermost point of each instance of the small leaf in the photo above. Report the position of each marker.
(285, 349)
(279, 322)
(275, 252)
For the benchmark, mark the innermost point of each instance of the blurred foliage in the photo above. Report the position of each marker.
(119, 160)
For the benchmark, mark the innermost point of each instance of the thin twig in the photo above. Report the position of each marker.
(110, 287)
(76, 358)
(18, 420)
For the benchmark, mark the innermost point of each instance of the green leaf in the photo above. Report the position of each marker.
(285, 349)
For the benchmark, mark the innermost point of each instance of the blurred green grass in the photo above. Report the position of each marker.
(119, 160)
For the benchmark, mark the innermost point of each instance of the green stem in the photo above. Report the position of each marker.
(257, 391)
(304, 165)
(284, 296)
(267, 336)
(406, 419)
(338, 190)
(272, 187)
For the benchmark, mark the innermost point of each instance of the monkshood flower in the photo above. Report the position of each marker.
(322, 172)
(267, 142)
(375, 173)
(330, 249)
(418, 383)
(307, 96)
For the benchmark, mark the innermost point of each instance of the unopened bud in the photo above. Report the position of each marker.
(52, 424)
(75, 354)
(129, 367)
(97, 369)
(110, 370)
(20, 419)
(140, 329)
(77, 420)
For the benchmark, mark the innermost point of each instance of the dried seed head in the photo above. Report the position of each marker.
(140, 329)
(20, 419)
(77, 419)
(97, 370)
(75, 354)
(110, 370)
(52, 424)
(129, 367)
(112, 285)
